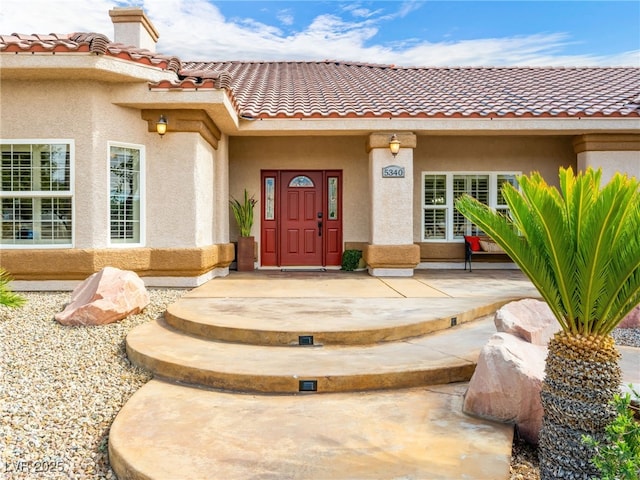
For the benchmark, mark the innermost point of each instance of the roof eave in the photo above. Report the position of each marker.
(441, 126)
(78, 66)
(215, 102)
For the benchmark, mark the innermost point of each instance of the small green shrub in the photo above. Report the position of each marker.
(618, 457)
(351, 259)
(7, 297)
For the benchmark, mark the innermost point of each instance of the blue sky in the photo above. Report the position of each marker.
(408, 33)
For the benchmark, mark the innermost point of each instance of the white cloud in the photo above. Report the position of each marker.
(196, 30)
(60, 16)
(360, 12)
(407, 7)
(285, 17)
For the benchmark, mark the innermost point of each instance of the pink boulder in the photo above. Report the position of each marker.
(632, 320)
(105, 297)
(506, 384)
(529, 319)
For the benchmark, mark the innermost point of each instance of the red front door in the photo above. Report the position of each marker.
(301, 224)
(301, 218)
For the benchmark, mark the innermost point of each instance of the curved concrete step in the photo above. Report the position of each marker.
(168, 431)
(331, 321)
(443, 357)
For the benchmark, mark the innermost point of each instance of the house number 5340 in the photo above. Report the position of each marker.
(393, 171)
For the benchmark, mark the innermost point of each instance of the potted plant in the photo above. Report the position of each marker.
(243, 212)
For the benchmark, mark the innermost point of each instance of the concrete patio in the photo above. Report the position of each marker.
(377, 396)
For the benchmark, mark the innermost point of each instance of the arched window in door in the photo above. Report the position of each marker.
(301, 181)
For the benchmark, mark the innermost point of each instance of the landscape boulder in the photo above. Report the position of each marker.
(529, 319)
(105, 297)
(632, 320)
(507, 382)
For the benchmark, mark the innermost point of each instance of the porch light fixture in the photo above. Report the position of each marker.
(394, 145)
(161, 126)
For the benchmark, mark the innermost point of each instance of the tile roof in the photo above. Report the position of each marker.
(340, 89)
(330, 89)
(83, 43)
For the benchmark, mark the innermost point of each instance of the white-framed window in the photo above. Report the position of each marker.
(440, 220)
(126, 194)
(36, 193)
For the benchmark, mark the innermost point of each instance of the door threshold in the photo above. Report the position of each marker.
(303, 269)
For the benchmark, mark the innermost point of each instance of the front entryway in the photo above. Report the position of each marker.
(301, 218)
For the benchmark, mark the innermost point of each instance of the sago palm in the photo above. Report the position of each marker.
(580, 246)
(7, 297)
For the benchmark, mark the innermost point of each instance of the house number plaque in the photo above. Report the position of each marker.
(392, 171)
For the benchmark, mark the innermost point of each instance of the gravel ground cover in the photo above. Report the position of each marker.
(61, 388)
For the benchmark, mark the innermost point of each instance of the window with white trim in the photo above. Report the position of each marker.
(126, 193)
(36, 193)
(440, 220)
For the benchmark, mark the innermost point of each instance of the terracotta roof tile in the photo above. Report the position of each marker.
(195, 80)
(352, 90)
(17, 42)
(337, 89)
(85, 42)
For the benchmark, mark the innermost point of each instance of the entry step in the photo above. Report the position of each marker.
(330, 321)
(443, 357)
(168, 431)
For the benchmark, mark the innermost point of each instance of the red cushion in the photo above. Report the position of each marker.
(474, 242)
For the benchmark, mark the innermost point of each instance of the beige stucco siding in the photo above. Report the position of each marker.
(250, 155)
(433, 153)
(203, 175)
(179, 167)
(611, 162)
(78, 111)
(495, 153)
(391, 198)
(220, 228)
(185, 184)
(189, 178)
(483, 153)
(180, 174)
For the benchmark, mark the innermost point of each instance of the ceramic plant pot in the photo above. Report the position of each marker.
(245, 254)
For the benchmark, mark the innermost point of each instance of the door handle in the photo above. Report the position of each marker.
(320, 228)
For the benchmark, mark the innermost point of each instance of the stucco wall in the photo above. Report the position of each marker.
(390, 199)
(56, 110)
(611, 162)
(179, 167)
(433, 153)
(484, 153)
(180, 191)
(186, 193)
(204, 193)
(490, 153)
(221, 192)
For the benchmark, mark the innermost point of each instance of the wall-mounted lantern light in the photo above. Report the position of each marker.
(161, 126)
(394, 145)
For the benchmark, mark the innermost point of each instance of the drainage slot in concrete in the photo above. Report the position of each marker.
(308, 386)
(454, 321)
(305, 340)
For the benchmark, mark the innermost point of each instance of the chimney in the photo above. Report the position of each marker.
(132, 27)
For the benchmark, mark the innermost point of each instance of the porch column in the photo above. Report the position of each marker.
(391, 251)
(613, 153)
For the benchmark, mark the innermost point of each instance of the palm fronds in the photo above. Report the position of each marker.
(7, 297)
(579, 245)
